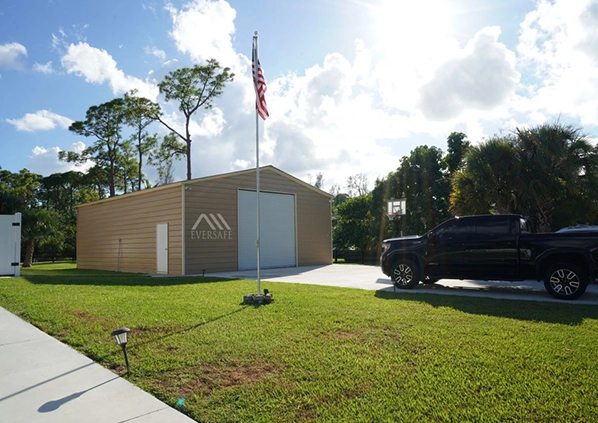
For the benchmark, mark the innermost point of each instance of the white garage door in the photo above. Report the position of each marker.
(277, 230)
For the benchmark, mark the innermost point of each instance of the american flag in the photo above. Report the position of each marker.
(259, 83)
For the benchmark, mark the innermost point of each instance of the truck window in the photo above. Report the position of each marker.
(456, 228)
(493, 227)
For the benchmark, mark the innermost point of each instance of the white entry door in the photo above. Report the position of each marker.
(162, 248)
(10, 244)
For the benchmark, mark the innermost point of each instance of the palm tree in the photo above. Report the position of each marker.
(490, 180)
(556, 163)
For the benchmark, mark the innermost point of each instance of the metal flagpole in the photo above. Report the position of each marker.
(261, 110)
(257, 162)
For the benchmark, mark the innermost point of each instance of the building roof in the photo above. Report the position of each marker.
(214, 177)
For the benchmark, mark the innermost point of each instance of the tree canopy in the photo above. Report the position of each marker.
(104, 123)
(139, 114)
(548, 173)
(542, 172)
(193, 88)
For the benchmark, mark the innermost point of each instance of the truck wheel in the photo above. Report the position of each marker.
(405, 274)
(565, 281)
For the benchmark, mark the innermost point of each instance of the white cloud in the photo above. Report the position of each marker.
(589, 22)
(326, 119)
(97, 66)
(559, 46)
(481, 80)
(44, 161)
(154, 51)
(11, 55)
(204, 123)
(212, 124)
(58, 41)
(170, 63)
(45, 68)
(294, 150)
(42, 120)
(203, 29)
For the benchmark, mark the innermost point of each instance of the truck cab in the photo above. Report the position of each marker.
(474, 248)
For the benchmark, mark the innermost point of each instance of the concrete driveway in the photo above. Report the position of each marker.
(372, 278)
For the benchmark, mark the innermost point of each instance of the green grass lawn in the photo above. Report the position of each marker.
(322, 353)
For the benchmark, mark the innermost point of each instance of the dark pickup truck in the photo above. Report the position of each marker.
(494, 247)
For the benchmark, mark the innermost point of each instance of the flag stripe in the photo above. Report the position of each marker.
(259, 83)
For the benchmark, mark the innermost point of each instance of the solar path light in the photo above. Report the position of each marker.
(120, 335)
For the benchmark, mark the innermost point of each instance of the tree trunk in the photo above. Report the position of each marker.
(545, 207)
(112, 181)
(188, 159)
(139, 170)
(29, 247)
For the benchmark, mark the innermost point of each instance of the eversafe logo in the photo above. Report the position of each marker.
(219, 228)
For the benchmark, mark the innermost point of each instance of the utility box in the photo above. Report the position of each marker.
(10, 244)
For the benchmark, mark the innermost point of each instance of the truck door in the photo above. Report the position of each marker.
(474, 248)
(447, 247)
(492, 249)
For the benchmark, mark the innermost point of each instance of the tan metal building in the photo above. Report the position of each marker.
(208, 225)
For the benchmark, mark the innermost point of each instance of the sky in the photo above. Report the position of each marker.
(352, 85)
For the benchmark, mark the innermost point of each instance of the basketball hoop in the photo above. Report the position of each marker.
(396, 208)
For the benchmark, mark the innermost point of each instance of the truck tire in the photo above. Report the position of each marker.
(565, 281)
(405, 274)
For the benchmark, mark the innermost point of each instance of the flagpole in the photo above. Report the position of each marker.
(257, 168)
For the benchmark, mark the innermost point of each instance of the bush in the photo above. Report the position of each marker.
(357, 256)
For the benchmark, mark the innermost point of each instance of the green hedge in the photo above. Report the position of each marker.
(357, 256)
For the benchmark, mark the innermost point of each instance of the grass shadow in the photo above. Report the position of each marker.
(151, 340)
(549, 312)
(107, 278)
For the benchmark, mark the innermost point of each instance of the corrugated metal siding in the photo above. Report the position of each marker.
(219, 195)
(132, 219)
(204, 251)
(314, 229)
(120, 233)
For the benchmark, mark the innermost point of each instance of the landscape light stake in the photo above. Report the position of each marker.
(120, 335)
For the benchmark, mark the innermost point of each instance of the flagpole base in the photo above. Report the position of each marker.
(257, 299)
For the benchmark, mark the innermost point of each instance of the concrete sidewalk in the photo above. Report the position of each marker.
(45, 381)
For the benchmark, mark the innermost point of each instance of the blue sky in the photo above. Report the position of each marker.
(353, 85)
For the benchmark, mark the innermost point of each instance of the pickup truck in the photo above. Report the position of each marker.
(494, 247)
